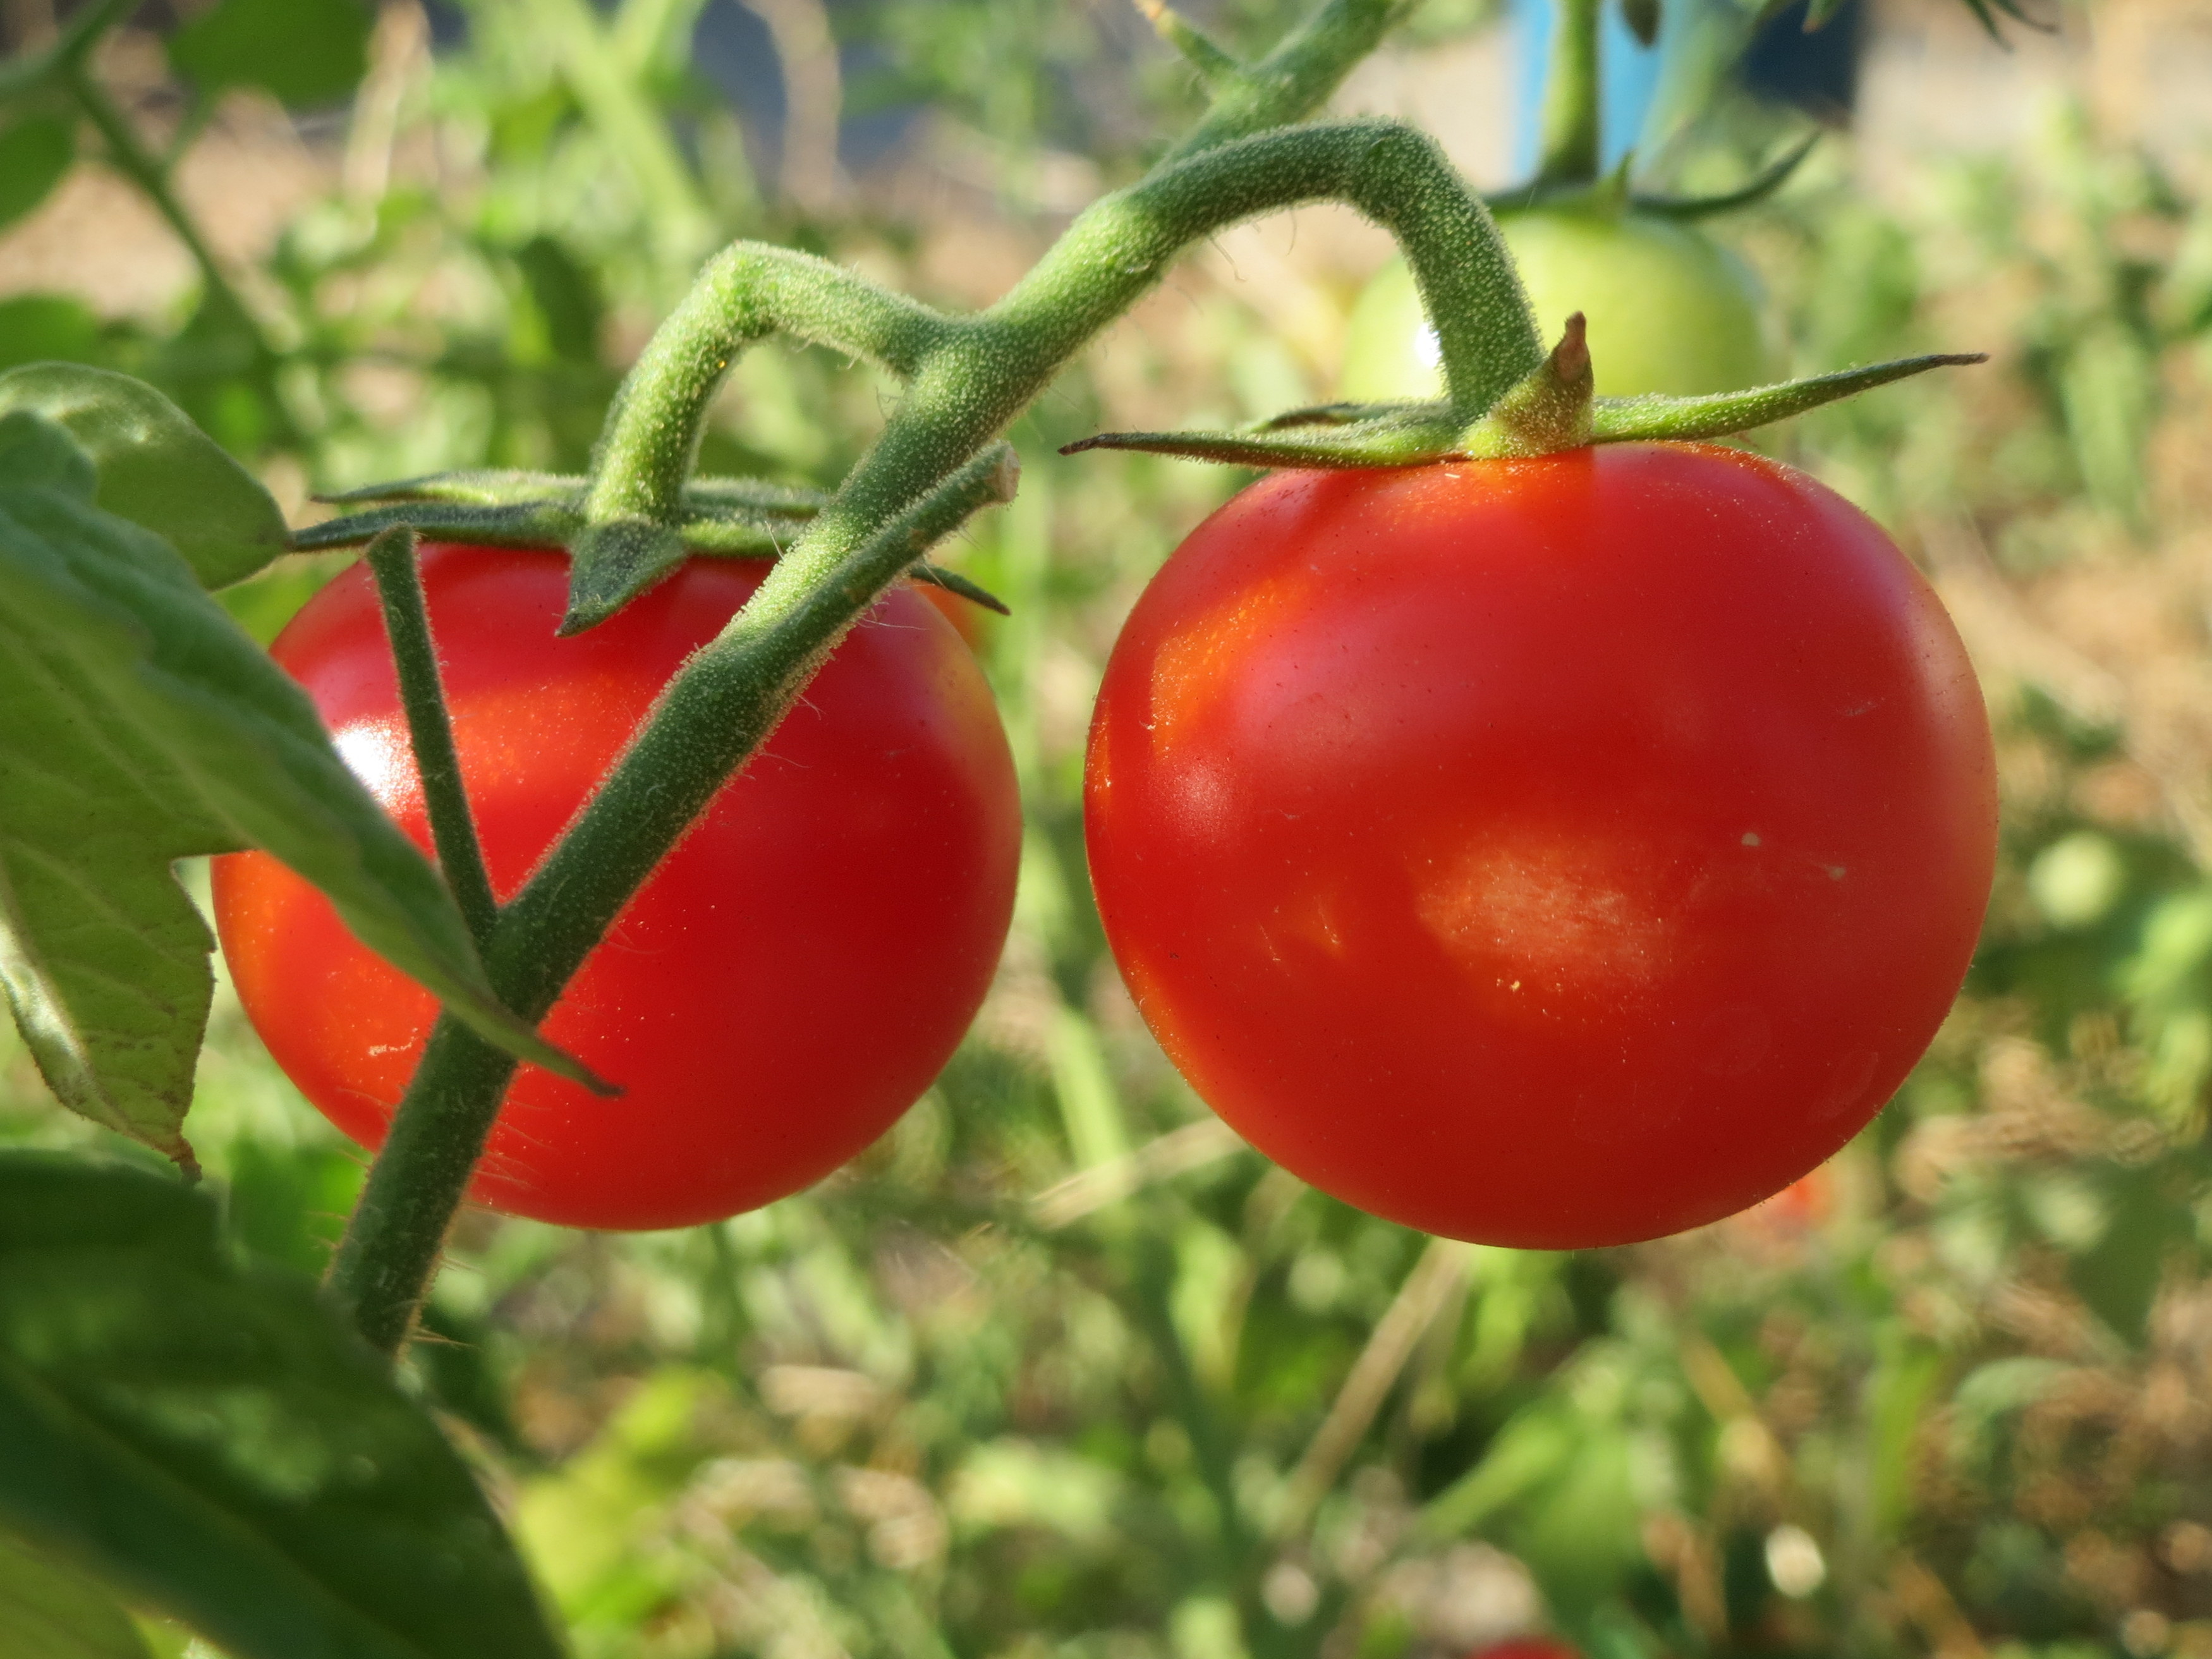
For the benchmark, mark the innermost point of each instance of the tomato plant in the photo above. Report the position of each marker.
(1556, 852)
(1669, 309)
(787, 983)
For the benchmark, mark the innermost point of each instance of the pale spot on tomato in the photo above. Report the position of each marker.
(1312, 916)
(1560, 912)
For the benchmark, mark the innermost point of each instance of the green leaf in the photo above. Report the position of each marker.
(305, 52)
(34, 155)
(48, 1611)
(2118, 1276)
(156, 468)
(138, 724)
(37, 328)
(567, 298)
(217, 1442)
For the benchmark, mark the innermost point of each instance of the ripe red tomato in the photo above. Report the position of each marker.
(784, 986)
(1527, 1647)
(1550, 853)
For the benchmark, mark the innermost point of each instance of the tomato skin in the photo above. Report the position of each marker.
(787, 981)
(1669, 310)
(1553, 853)
(1527, 1647)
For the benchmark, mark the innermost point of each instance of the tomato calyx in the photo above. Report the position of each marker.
(1549, 411)
(723, 517)
(1614, 195)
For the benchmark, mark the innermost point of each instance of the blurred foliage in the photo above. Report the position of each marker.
(1058, 1367)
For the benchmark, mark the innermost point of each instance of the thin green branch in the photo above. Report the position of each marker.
(421, 693)
(970, 376)
(1295, 79)
(129, 155)
(1215, 67)
(1762, 184)
(628, 124)
(397, 1229)
(633, 509)
(1409, 439)
(1571, 96)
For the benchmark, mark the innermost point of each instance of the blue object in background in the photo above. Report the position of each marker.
(1628, 73)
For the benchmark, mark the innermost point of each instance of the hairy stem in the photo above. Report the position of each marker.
(970, 376)
(453, 827)
(390, 1248)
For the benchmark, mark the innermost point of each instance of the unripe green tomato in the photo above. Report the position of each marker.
(1669, 309)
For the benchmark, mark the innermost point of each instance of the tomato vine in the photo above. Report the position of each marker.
(932, 466)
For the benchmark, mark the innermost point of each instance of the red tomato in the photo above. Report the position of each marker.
(1551, 853)
(784, 986)
(1527, 1647)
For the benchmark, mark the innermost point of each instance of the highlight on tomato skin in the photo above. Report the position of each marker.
(789, 980)
(1553, 852)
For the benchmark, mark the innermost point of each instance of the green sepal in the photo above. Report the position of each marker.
(216, 1440)
(526, 524)
(1723, 414)
(1544, 415)
(156, 468)
(735, 517)
(936, 576)
(1761, 185)
(139, 726)
(472, 487)
(485, 487)
(1642, 19)
(613, 562)
(739, 516)
(1329, 435)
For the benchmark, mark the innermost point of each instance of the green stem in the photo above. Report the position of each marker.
(129, 156)
(391, 1244)
(1571, 96)
(970, 376)
(618, 111)
(453, 829)
(1297, 78)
